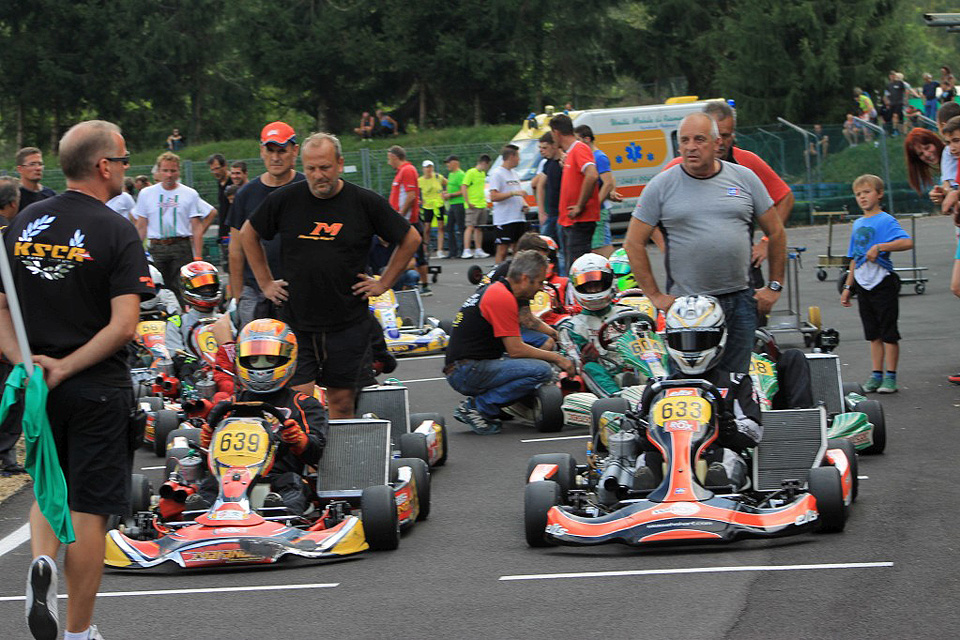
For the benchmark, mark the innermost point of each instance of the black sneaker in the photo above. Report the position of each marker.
(42, 614)
(425, 291)
(717, 476)
(273, 501)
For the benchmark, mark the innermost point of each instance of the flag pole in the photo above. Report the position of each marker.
(13, 303)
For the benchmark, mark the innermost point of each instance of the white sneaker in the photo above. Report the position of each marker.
(480, 253)
(42, 615)
(467, 253)
(94, 633)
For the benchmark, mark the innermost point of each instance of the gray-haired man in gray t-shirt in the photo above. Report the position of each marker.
(705, 208)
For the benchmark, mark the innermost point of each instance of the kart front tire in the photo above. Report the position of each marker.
(825, 485)
(421, 475)
(379, 516)
(874, 411)
(538, 499)
(853, 387)
(851, 452)
(547, 414)
(167, 421)
(566, 476)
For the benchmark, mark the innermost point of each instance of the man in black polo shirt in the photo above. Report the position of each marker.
(325, 226)
(80, 274)
(486, 359)
(546, 185)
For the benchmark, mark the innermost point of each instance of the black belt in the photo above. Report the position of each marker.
(170, 240)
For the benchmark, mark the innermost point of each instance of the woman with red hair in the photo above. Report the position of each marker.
(923, 149)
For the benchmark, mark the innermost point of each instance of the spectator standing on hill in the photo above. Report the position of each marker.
(405, 199)
(79, 323)
(579, 197)
(326, 226)
(602, 242)
(897, 92)
(707, 208)
(929, 91)
(175, 141)
(432, 186)
(30, 168)
(455, 206)
(171, 216)
(471, 188)
(506, 195)
(278, 150)
(546, 186)
(238, 173)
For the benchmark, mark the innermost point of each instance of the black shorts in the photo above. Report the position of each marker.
(92, 430)
(880, 309)
(509, 233)
(420, 257)
(338, 359)
(427, 215)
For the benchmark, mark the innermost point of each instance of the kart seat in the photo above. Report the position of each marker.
(826, 381)
(794, 441)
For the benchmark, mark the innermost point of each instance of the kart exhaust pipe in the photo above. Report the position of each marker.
(617, 479)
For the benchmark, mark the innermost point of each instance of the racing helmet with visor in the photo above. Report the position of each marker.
(200, 283)
(592, 280)
(696, 333)
(266, 355)
(620, 264)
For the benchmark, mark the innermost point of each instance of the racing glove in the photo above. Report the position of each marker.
(589, 353)
(728, 425)
(294, 435)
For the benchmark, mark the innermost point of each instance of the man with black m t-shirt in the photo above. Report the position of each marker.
(325, 225)
(486, 359)
(80, 274)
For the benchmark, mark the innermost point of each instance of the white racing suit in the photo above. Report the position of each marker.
(582, 329)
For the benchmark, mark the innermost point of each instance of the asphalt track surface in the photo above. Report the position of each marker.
(891, 574)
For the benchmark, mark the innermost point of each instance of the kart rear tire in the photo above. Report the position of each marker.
(874, 411)
(538, 498)
(853, 387)
(167, 420)
(547, 412)
(414, 445)
(379, 517)
(421, 475)
(155, 403)
(597, 409)
(140, 492)
(566, 473)
(447, 326)
(851, 452)
(415, 421)
(192, 436)
(824, 484)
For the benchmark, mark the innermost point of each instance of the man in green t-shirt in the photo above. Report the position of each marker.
(455, 210)
(476, 208)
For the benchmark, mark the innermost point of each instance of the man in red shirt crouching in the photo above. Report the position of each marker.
(486, 359)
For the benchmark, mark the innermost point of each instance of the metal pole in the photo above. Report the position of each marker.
(927, 121)
(886, 162)
(806, 160)
(783, 157)
(13, 303)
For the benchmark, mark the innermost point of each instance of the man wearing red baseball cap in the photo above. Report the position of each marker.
(278, 149)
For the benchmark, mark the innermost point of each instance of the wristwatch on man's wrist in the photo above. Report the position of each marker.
(773, 285)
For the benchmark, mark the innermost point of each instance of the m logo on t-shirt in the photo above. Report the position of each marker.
(323, 231)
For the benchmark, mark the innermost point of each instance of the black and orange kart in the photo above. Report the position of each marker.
(363, 500)
(801, 482)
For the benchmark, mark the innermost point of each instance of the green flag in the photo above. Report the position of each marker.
(29, 395)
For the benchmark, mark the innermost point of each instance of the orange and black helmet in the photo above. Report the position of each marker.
(200, 283)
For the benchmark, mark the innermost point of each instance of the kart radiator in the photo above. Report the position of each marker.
(388, 402)
(794, 441)
(410, 308)
(825, 380)
(357, 455)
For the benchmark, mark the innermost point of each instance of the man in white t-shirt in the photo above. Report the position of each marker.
(171, 216)
(508, 205)
(124, 204)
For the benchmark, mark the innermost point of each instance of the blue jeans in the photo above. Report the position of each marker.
(407, 280)
(740, 311)
(496, 383)
(533, 337)
(930, 108)
(552, 229)
(454, 229)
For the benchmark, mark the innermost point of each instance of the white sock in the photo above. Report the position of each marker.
(79, 635)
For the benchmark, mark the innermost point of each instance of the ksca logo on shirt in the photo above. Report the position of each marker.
(47, 260)
(323, 231)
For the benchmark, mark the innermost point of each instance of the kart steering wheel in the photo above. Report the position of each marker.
(245, 409)
(616, 326)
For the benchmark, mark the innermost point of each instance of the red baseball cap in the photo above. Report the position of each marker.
(278, 133)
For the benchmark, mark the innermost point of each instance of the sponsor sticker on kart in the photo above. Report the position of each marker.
(227, 514)
(680, 392)
(679, 509)
(680, 425)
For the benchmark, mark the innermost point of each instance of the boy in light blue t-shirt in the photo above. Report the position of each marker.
(872, 278)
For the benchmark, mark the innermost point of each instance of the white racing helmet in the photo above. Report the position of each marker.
(592, 280)
(157, 277)
(696, 333)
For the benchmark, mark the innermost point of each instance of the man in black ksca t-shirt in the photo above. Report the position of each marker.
(80, 273)
(278, 150)
(325, 226)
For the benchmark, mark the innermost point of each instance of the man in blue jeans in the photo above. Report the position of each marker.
(486, 359)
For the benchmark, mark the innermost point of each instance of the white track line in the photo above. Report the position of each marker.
(863, 477)
(421, 358)
(659, 572)
(555, 438)
(14, 540)
(152, 468)
(210, 590)
(421, 380)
